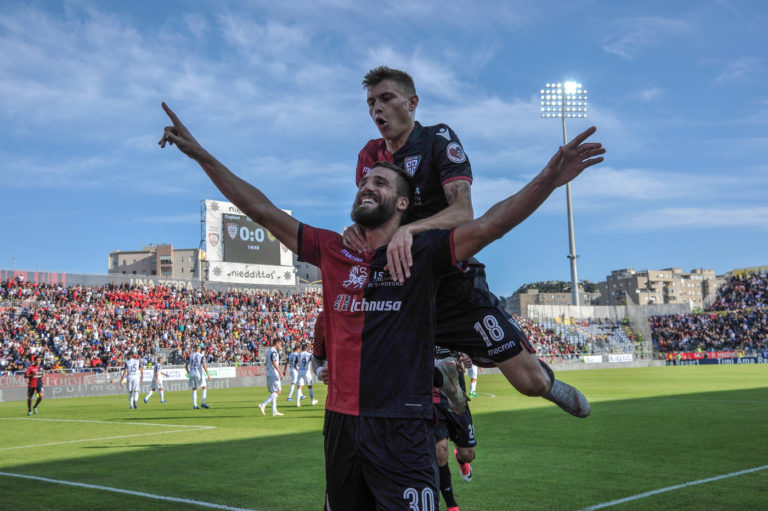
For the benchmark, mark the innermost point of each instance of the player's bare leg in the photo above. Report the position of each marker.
(532, 377)
(464, 455)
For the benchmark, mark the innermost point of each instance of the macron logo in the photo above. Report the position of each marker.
(350, 256)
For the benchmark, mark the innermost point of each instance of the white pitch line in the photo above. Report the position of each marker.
(101, 438)
(671, 488)
(36, 419)
(91, 439)
(127, 492)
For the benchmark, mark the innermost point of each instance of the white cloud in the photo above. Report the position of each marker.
(197, 25)
(633, 35)
(704, 218)
(649, 93)
(741, 68)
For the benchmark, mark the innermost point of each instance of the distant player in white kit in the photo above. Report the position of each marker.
(292, 369)
(274, 377)
(133, 374)
(472, 373)
(195, 366)
(157, 381)
(305, 375)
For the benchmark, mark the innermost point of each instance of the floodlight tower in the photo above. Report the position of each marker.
(566, 100)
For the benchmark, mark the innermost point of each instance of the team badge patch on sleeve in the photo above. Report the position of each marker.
(455, 153)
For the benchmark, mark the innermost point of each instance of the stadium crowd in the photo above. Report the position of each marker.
(550, 344)
(737, 320)
(742, 291)
(94, 327)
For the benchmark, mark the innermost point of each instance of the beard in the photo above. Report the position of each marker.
(372, 218)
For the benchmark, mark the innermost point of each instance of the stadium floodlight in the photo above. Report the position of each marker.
(563, 101)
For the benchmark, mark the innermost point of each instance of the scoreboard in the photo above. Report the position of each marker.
(247, 242)
(240, 251)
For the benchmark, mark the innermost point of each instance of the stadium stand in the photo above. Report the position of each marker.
(92, 328)
(737, 320)
(558, 338)
(79, 328)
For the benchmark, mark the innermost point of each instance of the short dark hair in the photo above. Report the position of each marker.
(406, 186)
(378, 74)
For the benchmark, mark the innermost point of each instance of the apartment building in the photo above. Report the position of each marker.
(670, 285)
(159, 260)
(519, 302)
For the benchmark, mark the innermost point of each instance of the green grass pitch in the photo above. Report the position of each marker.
(676, 428)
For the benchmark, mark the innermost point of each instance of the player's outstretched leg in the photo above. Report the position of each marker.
(532, 377)
(565, 396)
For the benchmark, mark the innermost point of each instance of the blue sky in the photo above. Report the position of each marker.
(677, 91)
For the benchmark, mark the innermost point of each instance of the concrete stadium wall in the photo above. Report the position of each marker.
(581, 366)
(57, 386)
(615, 313)
(75, 279)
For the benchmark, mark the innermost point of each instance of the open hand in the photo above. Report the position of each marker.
(572, 158)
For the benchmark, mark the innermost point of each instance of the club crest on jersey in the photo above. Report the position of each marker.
(358, 275)
(232, 230)
(411, 164)
(455, 153)
(213, 239)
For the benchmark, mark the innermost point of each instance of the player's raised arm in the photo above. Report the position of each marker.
(245, 196)
(569, 161)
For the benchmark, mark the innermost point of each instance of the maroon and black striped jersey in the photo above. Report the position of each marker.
(379, 333)
(432, 155)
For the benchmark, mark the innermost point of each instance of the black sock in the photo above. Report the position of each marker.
(446, 487)
(549, 371)
(437, 378)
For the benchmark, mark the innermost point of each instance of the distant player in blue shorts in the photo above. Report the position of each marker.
(274, 377)
(291, 368)
(198, 376)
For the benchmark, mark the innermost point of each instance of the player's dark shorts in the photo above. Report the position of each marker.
(456, 427)
(38, 389)
(379, 463)
(470, 319)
